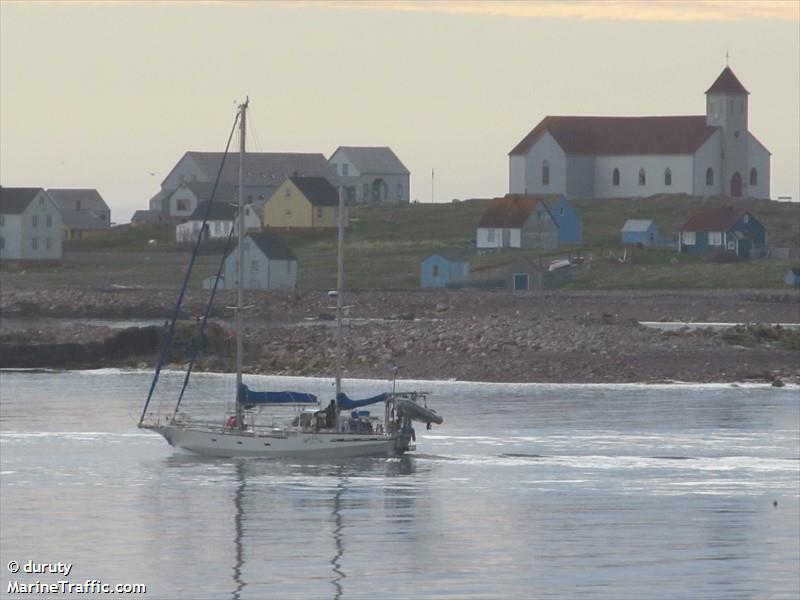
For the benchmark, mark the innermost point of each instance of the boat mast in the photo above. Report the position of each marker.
(240, 265)
(339, 289)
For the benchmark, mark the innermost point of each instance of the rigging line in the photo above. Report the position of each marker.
(171, 333)
(196, 347)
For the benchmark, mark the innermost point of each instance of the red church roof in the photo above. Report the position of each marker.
(621, 135)
(727, 83)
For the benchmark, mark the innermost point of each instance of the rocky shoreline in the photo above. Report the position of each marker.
(565, 337)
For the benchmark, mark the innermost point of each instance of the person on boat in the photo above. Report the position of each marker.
(330, 415)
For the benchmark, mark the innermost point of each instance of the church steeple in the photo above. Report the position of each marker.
(726, 108)
(727, 83)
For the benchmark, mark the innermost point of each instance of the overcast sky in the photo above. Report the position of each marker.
(110, 95)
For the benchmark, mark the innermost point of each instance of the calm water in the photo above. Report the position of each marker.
(527, 491)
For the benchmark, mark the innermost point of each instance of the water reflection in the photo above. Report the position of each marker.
(338, 535)
(238, 498)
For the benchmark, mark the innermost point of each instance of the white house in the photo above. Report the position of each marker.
(268, 264)
(371, 174)
(218, 225)
(30, 226)
(605, 157)
(183, 201)
(516, 221)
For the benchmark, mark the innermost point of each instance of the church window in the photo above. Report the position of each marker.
(709, 176)
(545, 173)
(668, 177)
(642, 177)
(753, 177)
(615, 177)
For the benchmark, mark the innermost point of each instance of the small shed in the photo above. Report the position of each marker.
(792, 277)
(570, 227)
(643, 232)
(442, 267)
(268, 264)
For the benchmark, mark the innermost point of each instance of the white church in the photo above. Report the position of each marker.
(612, 157)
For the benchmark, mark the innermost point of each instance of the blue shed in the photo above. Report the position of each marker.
(439, 269)
(723, 229)
(641, 231)
(570, 228)
(792, 277)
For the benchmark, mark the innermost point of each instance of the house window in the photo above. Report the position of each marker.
(319, 212)
(615, 177)
(746, 218)
(41, 201)
(287, 192)
(35, 220)
(77, 204)
(561, 211)
(35, 243)
(642, 177)
(687, 237)
(49, 220)
(667, 177)
(181, 204)
(715, 238)
(399, 191)
(345, 169)
(731, 245)
(289, 265)
(545, 173)
(709, 176)
(490, 235)
(435, 270)
(288, 212)
(254, 266)
(753, 177)
(49, 243)
(217, 227)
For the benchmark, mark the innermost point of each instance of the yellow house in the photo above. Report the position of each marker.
(309, 202)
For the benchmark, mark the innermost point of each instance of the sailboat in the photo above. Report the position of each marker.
(341, 430)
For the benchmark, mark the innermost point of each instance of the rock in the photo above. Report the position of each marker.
(777, 382)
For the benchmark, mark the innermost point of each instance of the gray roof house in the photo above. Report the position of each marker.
(263, 172)
(268, 264)
(371, 174)
(30, 226)
(182, 202)
(83, 211)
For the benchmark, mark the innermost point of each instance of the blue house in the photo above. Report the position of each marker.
(439, 269)
(792, 277)
(643, 232)
(723, 229)
(570, 228)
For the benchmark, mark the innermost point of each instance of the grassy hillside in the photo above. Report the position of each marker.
(385, 244)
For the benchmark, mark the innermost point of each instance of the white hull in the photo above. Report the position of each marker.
(230, 443)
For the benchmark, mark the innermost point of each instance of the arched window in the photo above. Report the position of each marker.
(753, 177)
(545, 173)
(709, 176)
(668, 177)
(642, 177)
(615, 177)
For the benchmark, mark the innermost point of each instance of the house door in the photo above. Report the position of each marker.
(736, 185)
(506, 238)
(377, 190)
(521, 282)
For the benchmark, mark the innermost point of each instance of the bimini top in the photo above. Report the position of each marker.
(344, 402)
(249, 399)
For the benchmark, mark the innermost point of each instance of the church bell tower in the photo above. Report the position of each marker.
(726, 108)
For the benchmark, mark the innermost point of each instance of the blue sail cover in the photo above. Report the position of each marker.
(344, 402)
(250, 398)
